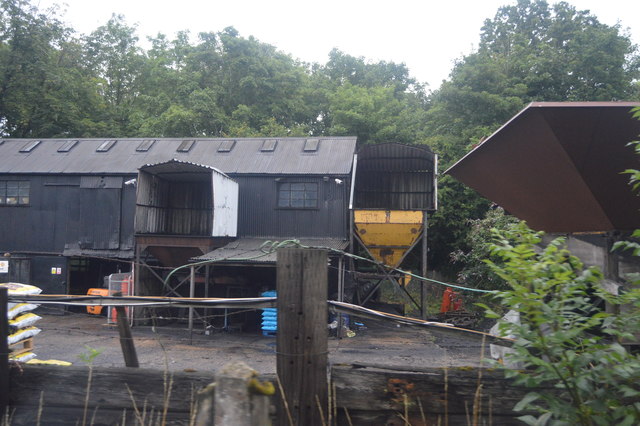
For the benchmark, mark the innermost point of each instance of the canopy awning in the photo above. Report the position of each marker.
(558, 166)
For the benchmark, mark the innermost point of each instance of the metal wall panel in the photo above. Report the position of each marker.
(225, 206)
(259, 215)
(173, 208)
(395, 177)
(62, 214)
(99, 218)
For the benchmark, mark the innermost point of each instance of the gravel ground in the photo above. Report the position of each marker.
(67, 337)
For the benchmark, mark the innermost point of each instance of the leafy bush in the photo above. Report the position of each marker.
(570, 348)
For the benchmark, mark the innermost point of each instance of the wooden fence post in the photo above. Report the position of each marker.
(302, 336)
(126, 338)
(4, 353)
(236, 398)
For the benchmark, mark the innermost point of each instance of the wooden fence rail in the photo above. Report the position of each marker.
(362, 395)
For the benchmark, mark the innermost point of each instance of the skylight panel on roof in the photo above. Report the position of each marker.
(30, 146)
(67, 146)
(186, 145)
(226, 146)
(269, 145)
(145, 145)
(311, 145)
(106, 146)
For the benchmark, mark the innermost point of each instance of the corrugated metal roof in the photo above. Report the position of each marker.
(260, 250)
(395, 176)
(180, 170)
(333, 156)
(396, 157)
(559, 166)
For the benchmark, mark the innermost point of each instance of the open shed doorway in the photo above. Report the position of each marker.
(90, 272)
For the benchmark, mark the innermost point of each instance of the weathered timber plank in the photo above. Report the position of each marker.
(64, 390)
(72, 416)
(371, 389)
(367, 418)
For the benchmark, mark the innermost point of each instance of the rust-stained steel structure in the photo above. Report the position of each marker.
(559, 166)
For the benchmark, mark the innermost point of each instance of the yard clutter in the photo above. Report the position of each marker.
(269, 316)
(21, 320)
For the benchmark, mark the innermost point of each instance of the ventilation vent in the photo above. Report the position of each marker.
(186, 145)
(145, 145)
(226, 146)
(30, 146)
(311, 145)
(67, 146)
(269, 145)
(106, 146)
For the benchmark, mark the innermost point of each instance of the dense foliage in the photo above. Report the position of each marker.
(57, 83)
(568, 346)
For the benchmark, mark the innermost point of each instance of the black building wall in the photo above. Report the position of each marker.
(259, 215)
(87, 212)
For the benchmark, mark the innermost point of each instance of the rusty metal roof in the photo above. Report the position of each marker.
(330, 155)
(558, 166)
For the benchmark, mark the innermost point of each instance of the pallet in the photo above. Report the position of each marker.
(21, 347)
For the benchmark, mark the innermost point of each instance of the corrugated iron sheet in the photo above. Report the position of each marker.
(559, 166)
(259, 250)
(395, 176)
(259, 215)
(333, 156)
(177, 198)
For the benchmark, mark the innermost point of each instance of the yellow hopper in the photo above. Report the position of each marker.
(388, 235)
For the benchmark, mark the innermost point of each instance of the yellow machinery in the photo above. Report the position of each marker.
(389, 235)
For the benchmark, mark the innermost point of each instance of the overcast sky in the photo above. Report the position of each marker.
(426, 35)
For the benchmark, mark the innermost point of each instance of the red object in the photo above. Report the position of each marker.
(451, 301)
(124, 291)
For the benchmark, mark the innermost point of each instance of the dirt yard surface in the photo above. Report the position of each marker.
(67, 337)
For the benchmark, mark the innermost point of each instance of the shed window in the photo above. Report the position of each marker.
(298, 195)
(186, 145)
(14, 192)
(30, 146)
(269, 145)
(226, 146)
(105, 146)
(145, 145)
(311, 145)
(67, 146)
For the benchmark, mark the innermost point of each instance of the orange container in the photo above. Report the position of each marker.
(96, 309)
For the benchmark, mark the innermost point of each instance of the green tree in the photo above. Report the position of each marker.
(475, 272)
(43, 90)
(114, 58)
(529, 51)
